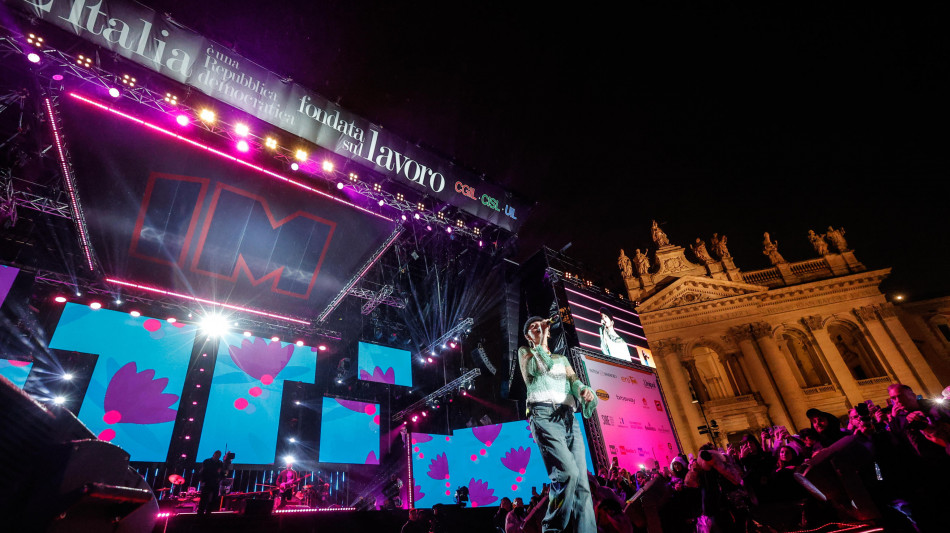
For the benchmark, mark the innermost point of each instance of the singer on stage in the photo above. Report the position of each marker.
(554, 392)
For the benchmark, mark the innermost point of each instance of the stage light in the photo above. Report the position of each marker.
(459, 223)
(301, 155)
(207, 115)
(95, 305)
(172, 320)
(242, 129)
(354, 177)
(171, 98)
(67, 376)
(271, 143)
(429, 228)
(416, 216)
(899, 297)
(415, 418)
(294, 166)
(452, 345)
(275, 339)
(118, 301)
(128, 80)
(327, 165)
(57, 77)
(297, 402)
(477, 231)
(441, 215)
(433, 352)
(247, 333)
(480, 244)
(403, 217)
(59, 400)
(33, 57)
(60, 299)
(288, 459)
(445, 346)
(242, 146)
(83, 61)
(187, 437)
(136, 314)
(322, 348)
(78, 293)
(448, 230)
(299, 343)
(35, 40)
(420, 207)
(382, 203)
(213, 325)
(292, 440)
(113, 92)
(425, 413)
(430, 359)
(340, 185)
(377, 187)
(182, 120)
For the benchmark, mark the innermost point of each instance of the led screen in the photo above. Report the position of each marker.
(133, 395)
(169, 214)
(349, 432)
(492, 461)
(243, 411)
(15, 371)
(7, 275)
(627, 342)
(383, 364)
(633, 417)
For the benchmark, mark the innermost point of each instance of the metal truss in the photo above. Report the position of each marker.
(463, 327)
(376, 299)
(32, 201)
(448, 388)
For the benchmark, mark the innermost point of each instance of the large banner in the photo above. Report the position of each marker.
(166, 213)
(633, 417)
(153, 41)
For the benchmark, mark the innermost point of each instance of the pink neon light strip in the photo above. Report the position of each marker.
(202, 300)
(224, 155)
(73, 201)
(598, 324)
(592, 334)
(575, 304)
(600, 302)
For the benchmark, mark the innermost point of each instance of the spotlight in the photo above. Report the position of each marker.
(83, 61)
(382, 203)
(67, 376)
(242, 129)
(448, 230)
(301, 155)
(61, 299)
(35, 40)
(480, 244)
(403, 217)
(275, 339)
(416, 216)
(136, 314)
(247, 333)
(294, 166)
(271, 143)
(292, 440)
(322, 348)
(242, 146)
(182, 120)
(207, 115)
(171, 98)
(430, 359)
(452, 345)
(95, 305)
(425, 413)
(297, 402)
(420, 207)
(57, 77)
(433, 352)
(289, 459)
(213, 325)
(299, 343)
(59, 400)
(377, 187)
(429, 228)
(113, 92)
(172, 320)
(445, 346)
(128, 80)
(118, 301)
(340, 185)
(33, 57)
(327, 165)
(415, 418)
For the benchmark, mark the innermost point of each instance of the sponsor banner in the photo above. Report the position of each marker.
(139, 34)
(633, 417)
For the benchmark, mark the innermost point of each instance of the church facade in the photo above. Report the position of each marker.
(755, 349)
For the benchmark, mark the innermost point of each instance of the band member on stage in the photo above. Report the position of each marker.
(611, 343)
(212, 469)
(554, 392)
(286, 480)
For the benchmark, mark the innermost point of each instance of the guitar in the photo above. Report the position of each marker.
(289, 484)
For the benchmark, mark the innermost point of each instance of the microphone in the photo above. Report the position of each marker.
(553, 320)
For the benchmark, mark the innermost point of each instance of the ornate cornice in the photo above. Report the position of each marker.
(761, 329)
(866, 313)
(813, 322)
(887, 310)
(662, 348)
(741, 333)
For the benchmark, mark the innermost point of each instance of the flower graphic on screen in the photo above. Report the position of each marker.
(516, 460)
(439, 467)
(419, 438)
(487, 434)
(258, 358)
(389, 376)
(417, 493)
(134, 397)
(371, 459)
(479, 493)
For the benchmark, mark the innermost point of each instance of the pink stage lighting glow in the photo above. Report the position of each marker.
(204, 301)
(242, 146)
(415, 418)
(61, 299)
(71, 188)
(322, 348)
(57, 77)
(182, 120)
(33, 57)
(221, 154)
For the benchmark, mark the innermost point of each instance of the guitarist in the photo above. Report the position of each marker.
(286, 480)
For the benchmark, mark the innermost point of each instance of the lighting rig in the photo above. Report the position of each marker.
(448, 388)
(462, 328)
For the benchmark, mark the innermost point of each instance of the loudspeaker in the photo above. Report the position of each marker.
(257, 507)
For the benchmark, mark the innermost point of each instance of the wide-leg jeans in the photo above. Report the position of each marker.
(559, 437)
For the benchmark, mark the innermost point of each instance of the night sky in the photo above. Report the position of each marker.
(728, 119)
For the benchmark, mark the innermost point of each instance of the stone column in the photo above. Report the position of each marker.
(759, 378)
(886, 349)
(735, 367)
(782, 371)
(904, 349)
(668, 353)
(840, 373)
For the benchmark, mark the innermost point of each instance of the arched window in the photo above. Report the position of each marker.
(804, 358)
(855, 351)
(710, 379)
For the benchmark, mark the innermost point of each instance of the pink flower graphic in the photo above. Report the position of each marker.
(134, 397)
(389, 376)
(258, 358)
(439, 467)
(487, 434)
(359, 407)
(517, 460)
(479, 493)
(371, 459)
(417, 493)
(419, 438)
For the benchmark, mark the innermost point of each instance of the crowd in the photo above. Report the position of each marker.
(879, 464)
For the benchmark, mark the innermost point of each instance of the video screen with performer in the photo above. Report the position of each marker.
(383, 364)
(633, 417)
(607, 327)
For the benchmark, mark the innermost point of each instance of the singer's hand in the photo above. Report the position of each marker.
(587, 395)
